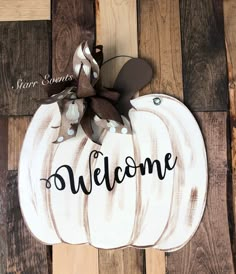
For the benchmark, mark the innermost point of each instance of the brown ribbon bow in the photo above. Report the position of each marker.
(82, 99)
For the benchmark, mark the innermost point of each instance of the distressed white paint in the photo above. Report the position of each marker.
(142, 211)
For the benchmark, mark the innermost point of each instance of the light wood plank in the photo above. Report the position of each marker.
(160, 44)
(72, 22)
(18, 10)
(16, 131)
(230, 36)
(155, 262)
(74, 259)
(116, 23)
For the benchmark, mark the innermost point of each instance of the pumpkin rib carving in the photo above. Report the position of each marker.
(178, 232)
(136, 229)
(112, 213)
(153, 198)
(74, 227)
(28, 190)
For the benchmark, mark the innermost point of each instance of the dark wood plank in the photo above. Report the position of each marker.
(210, 251)
(72, 22)
(24, 53)
(25, 254)
(3, 196)
(203, 49)
(122, 261)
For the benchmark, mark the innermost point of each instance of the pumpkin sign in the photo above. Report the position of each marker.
(138, 179)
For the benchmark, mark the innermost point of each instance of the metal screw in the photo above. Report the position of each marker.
(157, 101)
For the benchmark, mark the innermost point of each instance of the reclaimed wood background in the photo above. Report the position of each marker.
(192, 47)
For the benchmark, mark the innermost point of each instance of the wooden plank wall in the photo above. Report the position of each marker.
(205, 89)
(185, 42)
(230, 37)
(24, 54)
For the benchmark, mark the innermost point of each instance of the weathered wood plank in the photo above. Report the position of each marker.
(116, 23)
(160, 43)
(16, 132)
(72, 22)
(18, 10)
(122, 261)
(25, 254)
(230, 36)
(203, 49)
(3, 194)
(211, 243)
(24, 53)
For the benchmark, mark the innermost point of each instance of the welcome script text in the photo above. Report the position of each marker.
(100, 176)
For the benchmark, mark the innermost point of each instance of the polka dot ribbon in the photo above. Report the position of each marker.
(85, 102)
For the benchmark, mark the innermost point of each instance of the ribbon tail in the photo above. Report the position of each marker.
(105, 110)
(84, 89)
(86, 123)
(109, 94)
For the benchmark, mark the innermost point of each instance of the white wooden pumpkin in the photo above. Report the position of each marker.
(143, 210)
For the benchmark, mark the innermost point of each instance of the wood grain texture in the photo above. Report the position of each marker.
(25, 58)
(17, 10)
(230, 36)
(116, 26)
(72, 22)
(16, 132)
(160, 44)
(123, 261)
(25, 254)
(116, 29)
(3, 195)
(211, 243)
(155, 262)
(72, 259)
(203, 49)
